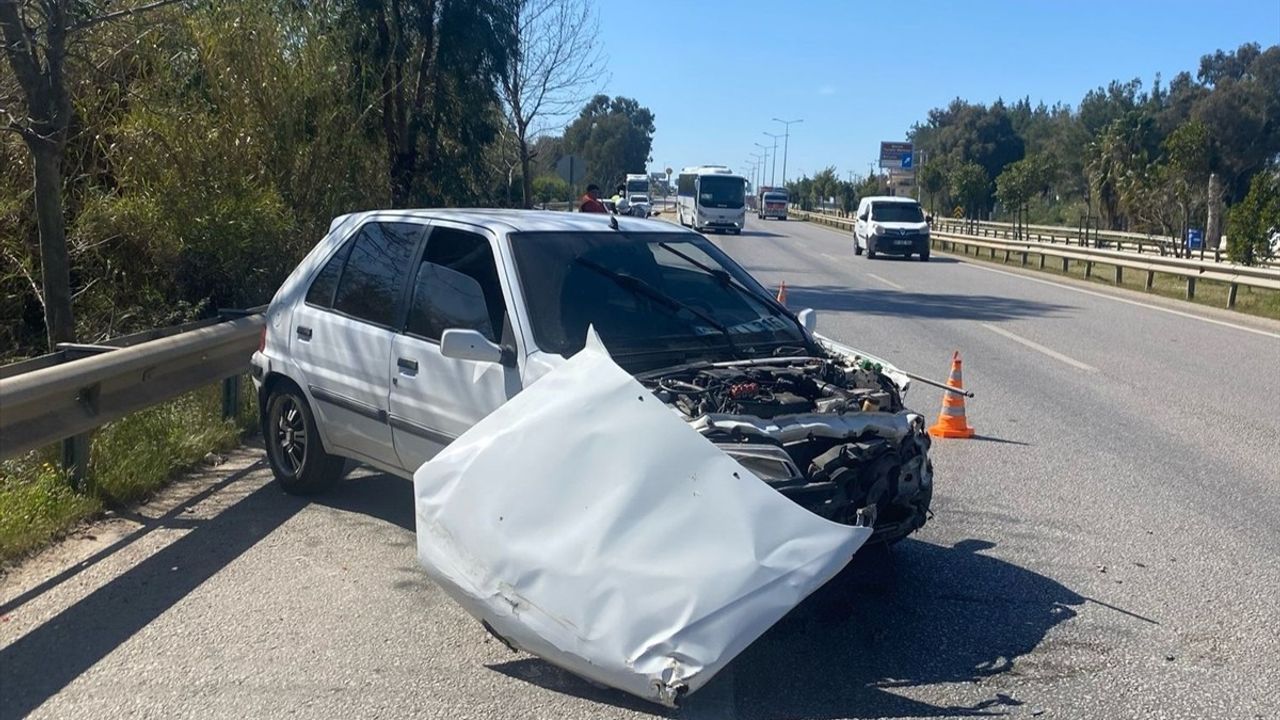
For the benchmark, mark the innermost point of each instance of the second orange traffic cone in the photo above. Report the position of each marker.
(951, 421)
(782, 292)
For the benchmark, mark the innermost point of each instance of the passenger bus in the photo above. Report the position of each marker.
(711, 197)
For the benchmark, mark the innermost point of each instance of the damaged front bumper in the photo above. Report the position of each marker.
(586, 523)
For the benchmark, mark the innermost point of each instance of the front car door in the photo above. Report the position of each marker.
(434, 399)
(342, 335)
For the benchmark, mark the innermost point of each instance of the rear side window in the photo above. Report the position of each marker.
(456, 286)
(321, 292)
(374, 275)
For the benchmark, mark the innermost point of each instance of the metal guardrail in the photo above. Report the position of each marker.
(61, 397)
(1229, 274)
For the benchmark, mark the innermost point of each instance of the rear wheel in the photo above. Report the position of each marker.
(857, 249)
(924, 256)
(298, 458)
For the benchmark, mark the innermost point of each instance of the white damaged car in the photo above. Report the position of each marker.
(628, 458)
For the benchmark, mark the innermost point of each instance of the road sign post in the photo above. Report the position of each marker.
(571, 169)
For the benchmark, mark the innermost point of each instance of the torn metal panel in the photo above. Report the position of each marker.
(585, 522)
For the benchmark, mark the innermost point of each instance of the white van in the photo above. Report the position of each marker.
(891, 226)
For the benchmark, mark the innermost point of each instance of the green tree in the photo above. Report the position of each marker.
(969, 185)
(1253, 222)
(613, 137)
(549, 188)
(429, 70)
(933, 179)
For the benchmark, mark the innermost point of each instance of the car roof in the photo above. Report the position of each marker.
(507, 221)
(890, 199)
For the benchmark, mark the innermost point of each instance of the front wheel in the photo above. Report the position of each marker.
(297, 457)
(924, 256)
(871, 251)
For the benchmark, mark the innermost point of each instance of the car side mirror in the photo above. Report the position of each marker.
(808, 319)
(464, 344)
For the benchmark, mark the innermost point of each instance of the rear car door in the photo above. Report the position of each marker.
(342, 335)
(434, 399)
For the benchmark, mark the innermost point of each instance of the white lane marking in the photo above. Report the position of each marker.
(829, 256)
(1040, 348)
(1171, 311)
(890, 283)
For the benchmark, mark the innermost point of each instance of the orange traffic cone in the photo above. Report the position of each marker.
(951, 421)
(782, 292)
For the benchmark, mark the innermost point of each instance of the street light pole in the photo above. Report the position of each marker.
(773, 174)
(765, 148)
(785, 145)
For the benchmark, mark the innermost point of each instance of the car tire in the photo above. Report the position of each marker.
(301, 467)
(924, 256)
(871, 251)
(857, 249)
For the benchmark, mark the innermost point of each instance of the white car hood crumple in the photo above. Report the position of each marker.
(588, 524)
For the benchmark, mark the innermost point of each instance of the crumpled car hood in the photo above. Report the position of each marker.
(586, 523)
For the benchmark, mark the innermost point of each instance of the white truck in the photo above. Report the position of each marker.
(637, 184)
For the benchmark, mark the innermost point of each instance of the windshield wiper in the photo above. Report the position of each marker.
(728, 280)
(640, 287)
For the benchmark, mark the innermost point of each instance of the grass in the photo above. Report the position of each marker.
(129, 460)
(1253, 301)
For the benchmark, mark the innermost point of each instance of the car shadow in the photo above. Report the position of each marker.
(905, 303)
(918, 616)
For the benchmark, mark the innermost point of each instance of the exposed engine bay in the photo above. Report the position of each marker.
(830, 433)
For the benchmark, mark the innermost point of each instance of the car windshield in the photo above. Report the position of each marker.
(721, 192)
(897, 212)
(639, 199)
(637, 186)
(647, 297)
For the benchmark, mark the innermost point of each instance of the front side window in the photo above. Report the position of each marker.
(375, 272)
(721, 192)
(456, 286)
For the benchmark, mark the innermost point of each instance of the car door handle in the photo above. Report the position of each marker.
(410, 366)
(304, 332)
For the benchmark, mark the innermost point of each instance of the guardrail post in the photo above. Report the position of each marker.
(1231, 295)
(1151, 279)
(1088, 269)
(75, 460)
(1024, 258)
(231, 397)
(1191, 287)
(1119, 274)
(1065, 265)
(1042, 261)
(1006, 256)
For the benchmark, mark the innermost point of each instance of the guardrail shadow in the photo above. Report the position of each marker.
(49, 657)
(906, 303)
(921, 615)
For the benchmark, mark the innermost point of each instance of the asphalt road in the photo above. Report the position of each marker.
(1108, 548)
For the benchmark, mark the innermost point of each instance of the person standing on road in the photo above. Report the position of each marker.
(590, 202)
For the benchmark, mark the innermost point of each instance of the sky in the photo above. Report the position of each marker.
(715, 73)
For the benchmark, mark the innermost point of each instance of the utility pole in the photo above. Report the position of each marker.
(785, 145)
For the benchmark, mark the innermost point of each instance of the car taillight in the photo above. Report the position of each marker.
(262, 339)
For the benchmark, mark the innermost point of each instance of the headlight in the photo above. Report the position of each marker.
(877, 229)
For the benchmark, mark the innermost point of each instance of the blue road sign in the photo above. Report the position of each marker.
(906, 161)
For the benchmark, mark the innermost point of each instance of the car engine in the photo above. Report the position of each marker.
(831, 433)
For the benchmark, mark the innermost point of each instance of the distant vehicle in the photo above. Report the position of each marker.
(711, 197)
(772, 203)
(892, 226)
(637, 184)
(640, 206)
